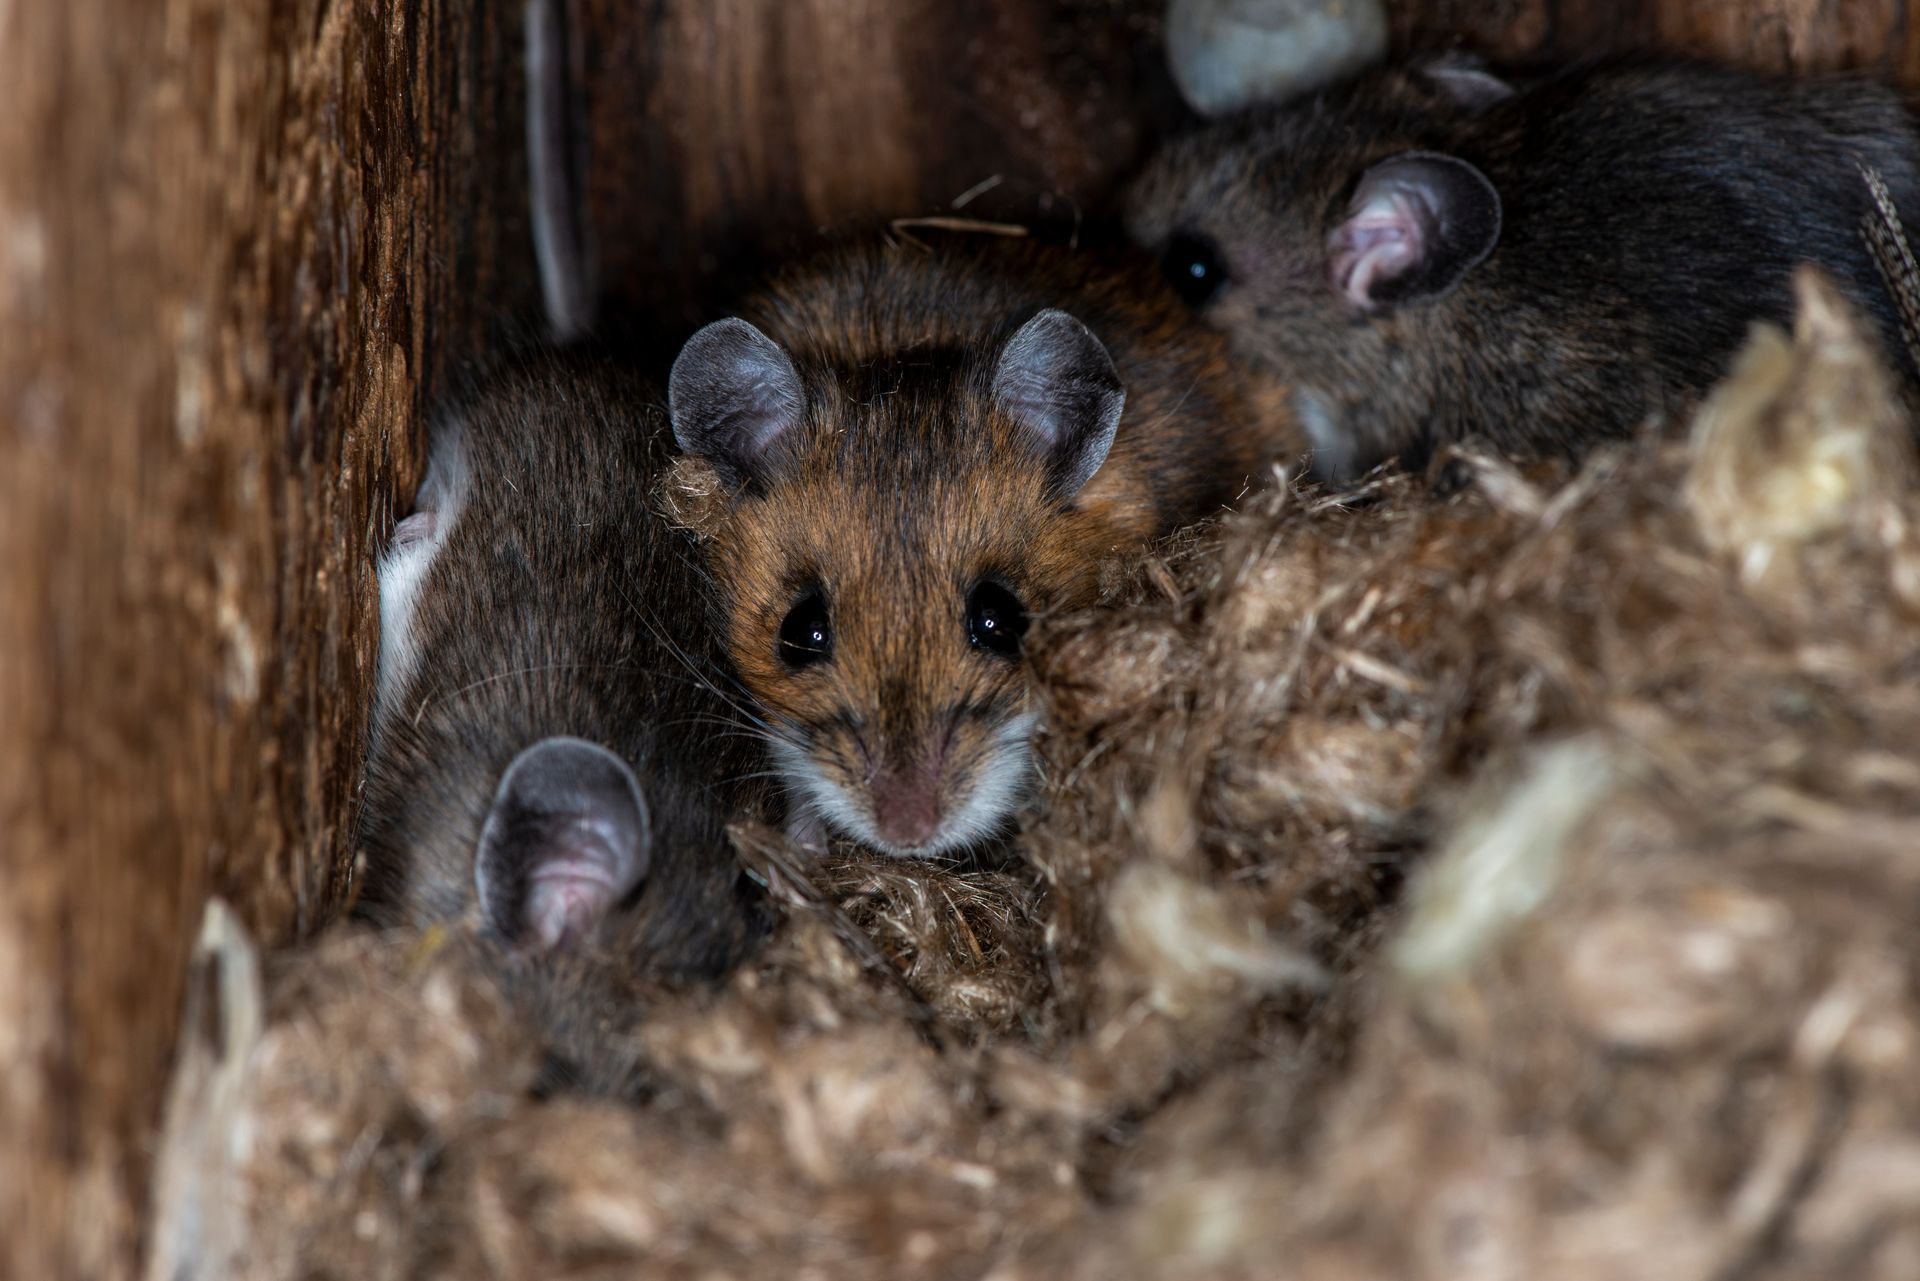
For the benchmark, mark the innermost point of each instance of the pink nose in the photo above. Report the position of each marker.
(906, 806)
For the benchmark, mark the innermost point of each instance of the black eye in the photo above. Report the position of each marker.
(805, 636)
(995, 620)
(1192, 263)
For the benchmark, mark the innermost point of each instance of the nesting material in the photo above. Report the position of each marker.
(1513, 881)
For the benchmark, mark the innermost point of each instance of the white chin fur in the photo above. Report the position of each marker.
(404, 565)
(998, 792)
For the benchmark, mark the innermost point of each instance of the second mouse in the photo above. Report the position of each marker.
(899, 458)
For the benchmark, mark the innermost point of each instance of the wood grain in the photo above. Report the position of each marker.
(224, 275)
(729, 133)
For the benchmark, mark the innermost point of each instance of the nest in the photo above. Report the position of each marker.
(1506, 873)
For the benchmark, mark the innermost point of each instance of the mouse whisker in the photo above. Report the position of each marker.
(728, 729)
(757, 776)
(436, 698)
(687, 661)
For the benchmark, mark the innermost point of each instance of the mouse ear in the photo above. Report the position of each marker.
(1056, 382)
(732, 395)
(565, 840)
(1417, 224)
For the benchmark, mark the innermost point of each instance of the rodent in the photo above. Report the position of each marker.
(1433, 251)
(556, 752)
(897, 457)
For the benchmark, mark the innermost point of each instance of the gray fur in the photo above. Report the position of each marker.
(558, 604)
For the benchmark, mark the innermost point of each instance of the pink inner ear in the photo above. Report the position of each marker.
(1380, 240)
(566, 899)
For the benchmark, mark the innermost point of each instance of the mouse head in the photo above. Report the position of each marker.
(565, 839)
(1325, 238)
(882, 533)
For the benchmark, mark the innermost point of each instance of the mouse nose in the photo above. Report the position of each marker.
(906, 805)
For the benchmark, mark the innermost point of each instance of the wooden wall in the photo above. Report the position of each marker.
(738, 130)
(229, 251)
(241, 241)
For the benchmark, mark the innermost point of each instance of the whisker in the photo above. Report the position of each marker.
(758, 736)
(733, 732)
(437, 697)
(756, 776)
(686, 661)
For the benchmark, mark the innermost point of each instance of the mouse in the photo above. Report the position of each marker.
(1435, 250)
(556, 751)
(897, 457)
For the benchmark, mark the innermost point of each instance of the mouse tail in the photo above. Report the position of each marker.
(556, 170)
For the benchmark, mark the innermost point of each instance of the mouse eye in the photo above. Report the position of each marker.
(996, 620)
(806, 637)
(1192, 263)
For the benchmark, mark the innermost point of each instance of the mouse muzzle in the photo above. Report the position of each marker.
(930, 798)
(906, 805)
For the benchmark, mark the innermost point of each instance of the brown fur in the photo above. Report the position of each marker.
(908, 488)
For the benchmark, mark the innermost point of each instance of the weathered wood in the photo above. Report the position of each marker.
(226, 262)
(727, 133)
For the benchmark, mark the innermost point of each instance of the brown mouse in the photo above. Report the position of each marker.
(556, 753)
(899, 457)
(1433, 251)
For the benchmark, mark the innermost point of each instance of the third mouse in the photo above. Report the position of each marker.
(1432, 251)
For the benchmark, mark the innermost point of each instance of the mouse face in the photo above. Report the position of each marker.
(890, 532)
(1323, 241)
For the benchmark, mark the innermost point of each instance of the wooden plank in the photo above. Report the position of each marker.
(223, 254)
